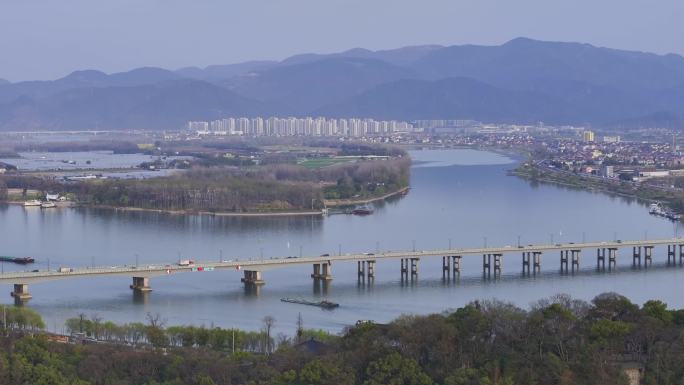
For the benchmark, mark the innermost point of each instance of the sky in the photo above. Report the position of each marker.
(47, 39)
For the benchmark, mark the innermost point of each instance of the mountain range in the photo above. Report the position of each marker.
(521, 81)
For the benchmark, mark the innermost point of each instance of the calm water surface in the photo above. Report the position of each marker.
(462, 197)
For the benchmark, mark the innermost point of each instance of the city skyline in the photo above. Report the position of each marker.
(292, 126)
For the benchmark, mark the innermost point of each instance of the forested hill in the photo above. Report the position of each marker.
(521, 81)
(558, 341)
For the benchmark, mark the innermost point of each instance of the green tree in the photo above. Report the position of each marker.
(394, 369)
(657, 310)
(318, 372)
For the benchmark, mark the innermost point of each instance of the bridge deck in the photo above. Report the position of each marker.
(151, 270)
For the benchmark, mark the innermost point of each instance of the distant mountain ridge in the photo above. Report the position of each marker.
(521, 81)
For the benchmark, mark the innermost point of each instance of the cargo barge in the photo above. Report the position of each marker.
(19, 260)
(323, 304)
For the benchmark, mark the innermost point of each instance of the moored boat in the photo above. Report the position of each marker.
(48, 205)
(657, 209)
(362, 210)
(32, 203)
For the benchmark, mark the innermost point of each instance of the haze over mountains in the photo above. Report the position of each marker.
(522, 81)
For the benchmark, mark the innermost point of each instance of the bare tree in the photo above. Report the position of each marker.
(155, 320)
(268, 321)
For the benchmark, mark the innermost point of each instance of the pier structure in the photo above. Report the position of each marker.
(492, 262)
(322, 271)
(451, 266)
(409, 267)
(569, 256)
(365, 270)
(253, 277)
(141, 284)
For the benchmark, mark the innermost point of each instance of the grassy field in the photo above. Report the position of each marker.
(15, 194)
(323, 162)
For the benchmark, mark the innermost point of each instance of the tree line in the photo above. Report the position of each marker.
(558, 340)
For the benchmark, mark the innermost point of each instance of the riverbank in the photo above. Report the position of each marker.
(210, 213)
(647, 194)
(327, 202)
(353, 202)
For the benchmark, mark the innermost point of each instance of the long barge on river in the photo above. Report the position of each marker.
(324, 304)
(19, 260)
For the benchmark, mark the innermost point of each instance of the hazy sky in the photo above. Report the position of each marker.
(46, 39)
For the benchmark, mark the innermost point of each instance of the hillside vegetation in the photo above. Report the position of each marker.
(559, 340)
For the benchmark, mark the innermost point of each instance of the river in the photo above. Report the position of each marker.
(458, 197)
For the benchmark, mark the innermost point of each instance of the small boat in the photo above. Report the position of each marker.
(48, 205)
(323, 304)
(19, 260)
(673, 215)
(657, 209)
(362, 210)
(32, 203)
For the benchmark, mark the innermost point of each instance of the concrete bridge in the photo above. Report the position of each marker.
(492, 258)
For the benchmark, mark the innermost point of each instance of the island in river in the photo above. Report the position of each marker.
(227, 182)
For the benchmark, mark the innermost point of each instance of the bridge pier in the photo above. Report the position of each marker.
(575, 255)
(526, 262)
(564, 256)
(322, 271)
(498, 261)
(21, 293)
(636, 256)
(446, 267)
(410, 266)
(671, 254)
(252, 277)
(141, 284)
(365, 269)
(404, 267)
(536, 261)
(612, 257)
(600, 258)
(648, 255)
(456, 265)
(487, 264)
